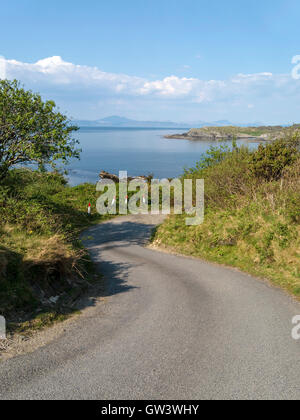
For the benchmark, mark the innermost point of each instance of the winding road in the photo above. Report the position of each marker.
(168, 327)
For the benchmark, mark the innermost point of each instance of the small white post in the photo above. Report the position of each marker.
(2, 328)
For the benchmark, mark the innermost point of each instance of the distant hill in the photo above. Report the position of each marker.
(117, 121)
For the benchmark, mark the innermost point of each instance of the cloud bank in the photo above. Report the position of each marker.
(71, 85)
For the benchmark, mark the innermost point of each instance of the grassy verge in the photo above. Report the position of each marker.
(252, 218)
(40, 255)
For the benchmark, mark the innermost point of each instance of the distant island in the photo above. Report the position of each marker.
(122, 122)
(117, 121)
(262, 133)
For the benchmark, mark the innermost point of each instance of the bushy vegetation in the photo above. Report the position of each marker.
(252, 218)
(40, 220)
(270, 160)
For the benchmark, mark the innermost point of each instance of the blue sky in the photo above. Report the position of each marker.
(178, 60)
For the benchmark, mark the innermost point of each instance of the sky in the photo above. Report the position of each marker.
(183, 61)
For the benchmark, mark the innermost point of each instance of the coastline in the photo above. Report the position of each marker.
(186, 136)
(229, 133)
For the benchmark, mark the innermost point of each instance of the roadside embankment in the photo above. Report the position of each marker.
(43, 267)
(252, 216)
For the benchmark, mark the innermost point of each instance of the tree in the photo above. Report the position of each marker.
(31, 130)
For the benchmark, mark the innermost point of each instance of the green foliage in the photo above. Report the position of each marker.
(15, 292)
(44, 204)
(270, 160)
(226, 174)
(252, 220)
(292, 207)
(214, 155)
(32, 130)
(40, 219)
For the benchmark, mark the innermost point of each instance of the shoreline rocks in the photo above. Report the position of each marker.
(199, 134)
(209, 133)
(112, 177)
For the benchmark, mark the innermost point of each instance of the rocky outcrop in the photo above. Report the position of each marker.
(262, 133)
(106, 175)
(210, 134)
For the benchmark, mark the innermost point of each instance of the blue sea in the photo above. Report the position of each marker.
(139, 151)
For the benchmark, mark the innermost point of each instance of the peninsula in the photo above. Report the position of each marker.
(263, 133)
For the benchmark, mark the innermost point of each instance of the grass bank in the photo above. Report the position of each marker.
(40, 255)
(252, 216)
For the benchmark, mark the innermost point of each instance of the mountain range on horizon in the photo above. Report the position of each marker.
(118, 121)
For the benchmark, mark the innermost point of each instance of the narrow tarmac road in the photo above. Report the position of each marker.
(170, 327)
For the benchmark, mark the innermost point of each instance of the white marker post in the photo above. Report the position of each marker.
(89, 208)
(2, 328)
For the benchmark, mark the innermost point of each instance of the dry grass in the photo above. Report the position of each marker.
(54, 255)
(40, 256)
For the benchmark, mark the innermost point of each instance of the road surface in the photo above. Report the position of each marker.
(170, 327)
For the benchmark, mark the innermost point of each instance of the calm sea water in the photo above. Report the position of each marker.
(139, 151)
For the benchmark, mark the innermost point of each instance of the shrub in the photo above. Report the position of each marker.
(40, 257)
(252, 213)
(270, 160)
(226, 175)
(212, 157)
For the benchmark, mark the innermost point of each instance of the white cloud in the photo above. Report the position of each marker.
(252, 77)
(171, 86)
(72, 83)
(56, 71)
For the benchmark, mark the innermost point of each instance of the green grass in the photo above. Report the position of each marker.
(40, 254)
(250, 223)
(39, 322)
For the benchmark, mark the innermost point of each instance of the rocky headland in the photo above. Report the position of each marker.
(265, 133)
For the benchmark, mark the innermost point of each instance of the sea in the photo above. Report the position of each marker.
(139, 151)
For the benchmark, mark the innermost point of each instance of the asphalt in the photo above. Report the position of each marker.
(169, 327)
